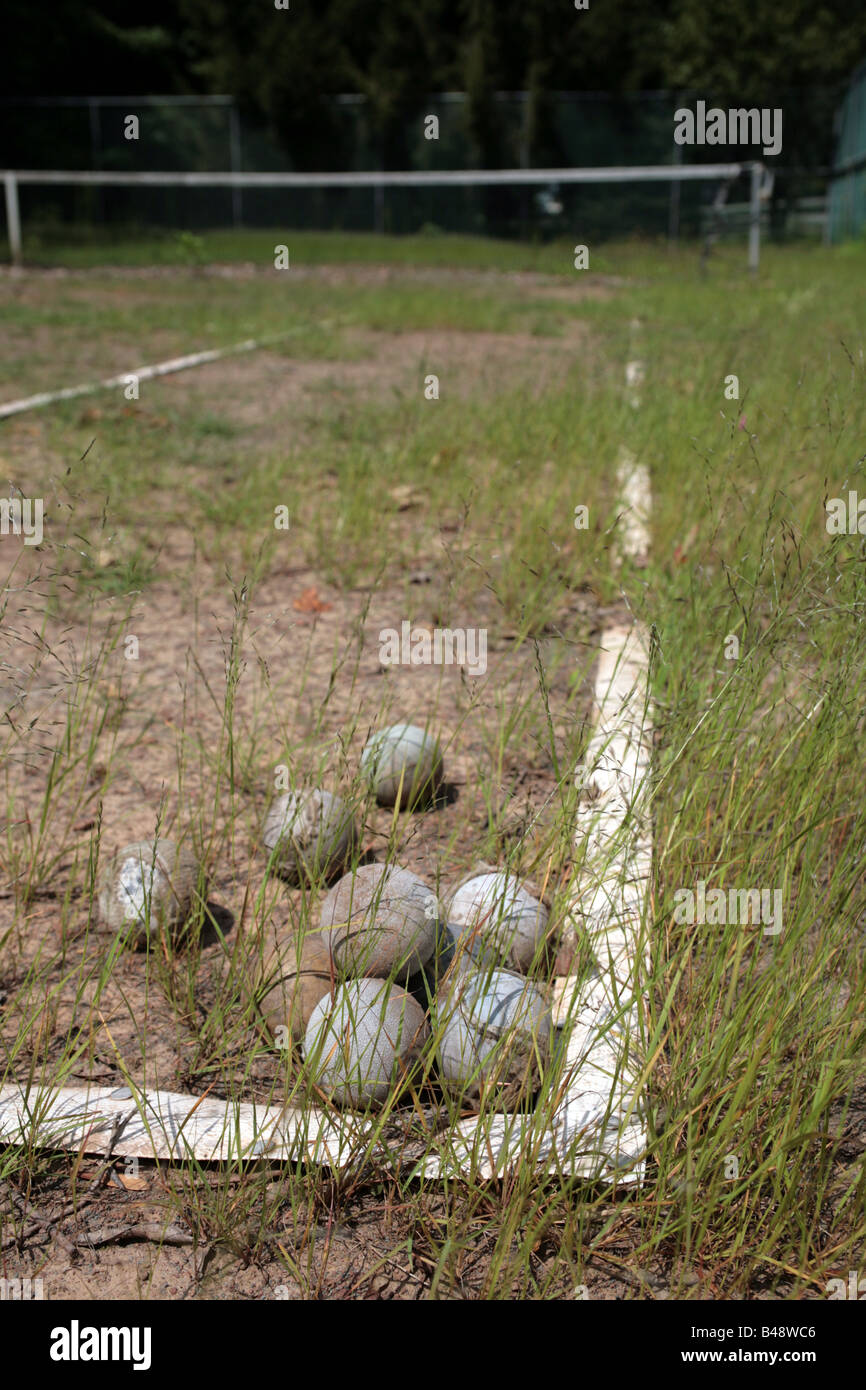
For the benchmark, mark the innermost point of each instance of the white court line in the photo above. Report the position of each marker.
(165, 1124)
(633, 477)
(635, 495)
(614, 829)
(635, 371)
(608, 903)
(172, 364)
(634, 379)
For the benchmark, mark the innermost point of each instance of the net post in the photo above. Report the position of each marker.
(13, 217)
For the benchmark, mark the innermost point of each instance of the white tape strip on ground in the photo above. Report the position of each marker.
(172, 364)
(633, 479)
(164, 1124)
(634, 378)
(635, 495)
(614, 825)
(613, 831)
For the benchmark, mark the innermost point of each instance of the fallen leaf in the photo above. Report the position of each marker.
(132, 1184)
(309, 602)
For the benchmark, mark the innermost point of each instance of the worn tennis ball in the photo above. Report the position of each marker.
(494, 909)
(468, 948)
(493, 1035)
(287, 979)
(360, 1044)
(380, 921)
(309, 835)
(403, 763)
(147, 887)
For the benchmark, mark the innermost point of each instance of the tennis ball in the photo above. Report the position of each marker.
(147, 887)
(403, 762)
(309, 835)
(287, 979)
(495, 910)
(493, 1034)
(358, 1045)
(380, 921)
(468, 948)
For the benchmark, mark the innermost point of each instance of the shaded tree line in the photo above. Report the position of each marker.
(283, 65)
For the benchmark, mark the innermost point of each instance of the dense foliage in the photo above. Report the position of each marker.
(282, 64)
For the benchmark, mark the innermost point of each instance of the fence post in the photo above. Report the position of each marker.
(13, 216)
(235, 161)
(674, 204)
(98, 199)
(755, 217)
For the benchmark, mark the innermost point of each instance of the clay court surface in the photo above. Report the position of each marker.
(258, 648)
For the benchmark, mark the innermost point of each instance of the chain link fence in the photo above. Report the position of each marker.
(518, 130)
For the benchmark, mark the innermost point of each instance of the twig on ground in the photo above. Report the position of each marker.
(144, 1231)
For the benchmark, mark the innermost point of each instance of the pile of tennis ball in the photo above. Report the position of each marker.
(409, 993)
(392, 984)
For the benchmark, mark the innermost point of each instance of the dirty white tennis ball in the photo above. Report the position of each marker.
(403, 762)
(360, 1044)
(309, 835)
(494, 909)
(287, 979)
(380, 921)
(147, 887)
(493, 1035)
(467, 949)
